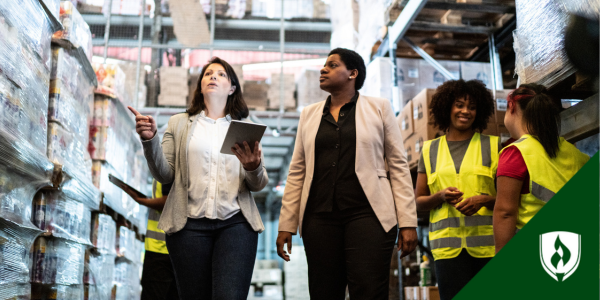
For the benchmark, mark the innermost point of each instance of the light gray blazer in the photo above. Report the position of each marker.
(168, 163)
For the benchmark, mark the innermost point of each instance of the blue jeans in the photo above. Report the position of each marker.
(213, 259)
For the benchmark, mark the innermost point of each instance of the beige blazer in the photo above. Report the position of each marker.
(378, 139)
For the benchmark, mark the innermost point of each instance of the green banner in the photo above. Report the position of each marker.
(556, 255)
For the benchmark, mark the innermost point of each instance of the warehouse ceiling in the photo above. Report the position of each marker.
(451, 30)
(301, 35)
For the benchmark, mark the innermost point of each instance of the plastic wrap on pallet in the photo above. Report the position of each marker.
(111, 80)
(23, 112)
(68, 73)
(63, 109)
(64, 147)
(585, 8)
(51, 292)
(126, 243)
(104, 233)
(53, 7)
(63, 217)
(77, 183)
(23, 171)
(126, 280)
(98, 275)
(57, 261)
(112, 194)
(76, 30)
(15, 291)
(32, 24)
(15, 245)
(539, 42)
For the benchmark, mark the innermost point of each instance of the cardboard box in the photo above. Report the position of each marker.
(478, 71)
(491, 129)
(420, 108)
(407, 72)
(414, 144)
(407, 93)
(430, 293)
(503, 133)
(412, 293)
(501, 105)
(168, 100)
(431, 78)
(411, 156)
(405, 120)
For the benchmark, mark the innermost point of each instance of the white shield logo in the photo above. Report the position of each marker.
(560, 253)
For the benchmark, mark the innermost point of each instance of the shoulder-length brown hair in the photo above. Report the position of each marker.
(236, 106)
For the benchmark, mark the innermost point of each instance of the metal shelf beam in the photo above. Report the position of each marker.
(581, 121)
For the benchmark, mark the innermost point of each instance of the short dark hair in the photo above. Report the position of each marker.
(353, 61)
(450, 91)
(236, 106)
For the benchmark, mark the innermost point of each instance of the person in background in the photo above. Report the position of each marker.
(455, 183)
(158, 279)
(338, 192)
(535, 166)
(210, 218)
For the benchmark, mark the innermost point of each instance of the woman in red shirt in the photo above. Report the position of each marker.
(535, 166)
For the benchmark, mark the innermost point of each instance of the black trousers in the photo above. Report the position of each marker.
(214, 259)
(347, 248)
(158, 280)
(454, 273)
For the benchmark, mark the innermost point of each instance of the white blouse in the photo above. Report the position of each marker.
(214, 178)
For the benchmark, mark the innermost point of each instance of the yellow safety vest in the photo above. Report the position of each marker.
(449, 230)
(155, 238)
(546, 175)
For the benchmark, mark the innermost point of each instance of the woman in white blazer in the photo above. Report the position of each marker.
(338, 193)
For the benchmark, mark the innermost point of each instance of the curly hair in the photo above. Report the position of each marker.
(449, 91)
(353, 61)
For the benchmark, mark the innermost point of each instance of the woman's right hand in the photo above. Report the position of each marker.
(451, 195)
(284, 237)
(145, 126)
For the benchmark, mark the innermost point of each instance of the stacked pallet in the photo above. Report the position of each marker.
(174, 86)
(309, 90)
(274, 93)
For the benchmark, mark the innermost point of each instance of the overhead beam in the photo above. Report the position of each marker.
(275, 151)
(484, 8)
(433, 26)
(219, 23)
(581, 120)
(290, 47)
(429, 59)
(404, 21)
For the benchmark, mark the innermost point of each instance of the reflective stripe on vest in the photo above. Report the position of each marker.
(450, 230)
(449, 242)
(159, 236)
(155, 238)
(546, 175)
(455, 222)
(480, 241)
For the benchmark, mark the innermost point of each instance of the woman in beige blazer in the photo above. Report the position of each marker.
(210, 218)
(338, 194)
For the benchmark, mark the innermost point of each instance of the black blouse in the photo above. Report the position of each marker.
(335, 185)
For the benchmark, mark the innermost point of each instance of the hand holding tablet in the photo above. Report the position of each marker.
(242, 140)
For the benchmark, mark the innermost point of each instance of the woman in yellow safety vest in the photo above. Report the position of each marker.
(535, 166)
(456, 183)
